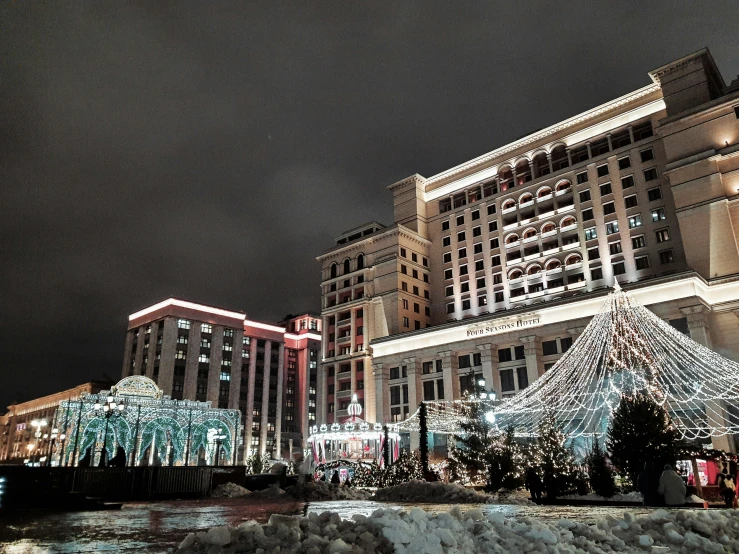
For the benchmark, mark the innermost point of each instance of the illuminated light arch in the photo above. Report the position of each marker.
(626, 350)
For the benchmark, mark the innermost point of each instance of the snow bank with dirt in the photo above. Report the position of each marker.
(229, 490)
(318, 490)
(634, 496)
(446, 493)
(455, 532)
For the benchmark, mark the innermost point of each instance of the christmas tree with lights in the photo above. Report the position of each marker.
(624, 351)
(506, 462)
(472, 446)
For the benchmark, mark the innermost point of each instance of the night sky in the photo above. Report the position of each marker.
(211, 150)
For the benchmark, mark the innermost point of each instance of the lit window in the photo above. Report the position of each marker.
(206, 328)
(663, 235)
(634, 221)
(658, 214)
(225, 376)
(638, 242)
(183, 324)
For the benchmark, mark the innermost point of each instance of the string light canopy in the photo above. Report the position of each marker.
(626, 349)
(443, 417)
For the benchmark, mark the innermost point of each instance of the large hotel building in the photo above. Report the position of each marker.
(495, 266)
(268, 372)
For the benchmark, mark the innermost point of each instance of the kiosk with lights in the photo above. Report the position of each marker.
(354, 441)
(134, 424)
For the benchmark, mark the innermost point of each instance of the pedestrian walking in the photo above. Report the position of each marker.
(533, 484)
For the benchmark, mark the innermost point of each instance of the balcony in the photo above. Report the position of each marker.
(579, 285)
(512, 244)
(571, 245)
(509, 210)
(526, 204)
(577, 265)
(344, 339)
(343, 393)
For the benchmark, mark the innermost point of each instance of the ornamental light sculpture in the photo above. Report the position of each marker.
(109, 409)
(217, 436)
(54, 436)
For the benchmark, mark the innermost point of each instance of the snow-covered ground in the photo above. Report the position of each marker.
(455, 532)
(446, 493)
(633, 496)
(318, 490)
(229, 490)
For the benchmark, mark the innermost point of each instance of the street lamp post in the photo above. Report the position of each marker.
(38, 424)
(107, 410)
(488, 398)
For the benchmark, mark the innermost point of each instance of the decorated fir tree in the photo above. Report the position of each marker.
(406, 468)
(640, 432)
(555, 458)
(469, 456)
(506, 462)
(600, 471)
(366, 475)
(423, 433)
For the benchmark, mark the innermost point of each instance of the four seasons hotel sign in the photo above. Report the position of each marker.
(503, 325)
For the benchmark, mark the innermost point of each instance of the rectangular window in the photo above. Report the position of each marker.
(479, 265)
(404, 286)
(446, 241)
(406, 323)
(463, 269)
(405, 306)
(663, 235)
(638, 242)
(596, 273)
(581, 177)
(506, 380)
(614, 247)
(460, 220)
(631, 201)
(658, 214)
(491, 209)
(609, 208)
(475, 215)
(460, 236)
(403, 269)
(549, 347)
(523, 377)
(504, 355)
(619, 268)
(495, 261)
(225, 376)
(440, 389)
(448, 274)
(611, 227)
(478, 248)
(403, 253)
(445, 225)
(428, 390)
(565, 343)
(593, 253)
(624, 163)
(642, 262)
(646, 155)
(666, 257)
(450, 308)
(605, 188)
(518, 352)
(627, 182)
(591, 233)
(654, 194)
(650, 174)
(482, 300)
(584, 195)
(447, 257)
(634, 221)
(493, 226)
(462, 253)
(466, 304)
(476, 231)
(602, 170)
(449, 290)
(494, 243)
(427, 367)
(206, 328)
(587, 215)
(499, 296)
(183, 324)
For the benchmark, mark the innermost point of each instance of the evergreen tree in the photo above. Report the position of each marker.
(555, 458)
(600, 472)
(366, 475)
(386, 448)
(406, 468)
(424, 439)
(506, 462)
(640, 432)
(470, 454)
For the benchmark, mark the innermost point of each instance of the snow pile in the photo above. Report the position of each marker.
(273, 491)
(694, 499)
(634, 496)
(505, 496)
(454, 532)
(314, 534)
(229, 490)
(439, 493)
(319, 490)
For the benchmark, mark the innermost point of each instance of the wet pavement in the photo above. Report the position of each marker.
(157, 527)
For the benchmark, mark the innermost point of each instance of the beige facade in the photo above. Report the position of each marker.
(18, 441)
(268, 372)
(642, 189)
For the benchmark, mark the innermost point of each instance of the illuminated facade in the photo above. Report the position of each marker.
(202, 353)
(506, 257)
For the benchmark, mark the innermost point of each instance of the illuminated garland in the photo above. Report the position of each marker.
(624, 350)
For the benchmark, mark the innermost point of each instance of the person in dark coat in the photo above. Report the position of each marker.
(533, 484)
(550, 486)
(335, 480)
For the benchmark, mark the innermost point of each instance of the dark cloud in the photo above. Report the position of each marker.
(212, 150)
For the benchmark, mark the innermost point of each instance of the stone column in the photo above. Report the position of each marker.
(278, 413)
(321, 395)
(450, 366)
(569, 157)
(533, 352)
(250, 397)
(234, 393)
(382, 402)
(127, 353)
(590, 152)
(415, 394)
(214, 369)
(549, 161)
(489, 368)
(631, 134)
(610, 142)
(265, 397)
(700, 332)
(191, 363)
(166, 364)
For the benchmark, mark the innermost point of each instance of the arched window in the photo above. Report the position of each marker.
(564, 184)
(567, 222)
(543, 191)
(510, 239)
(333, 270)
(347, 266)
(528, 233)
(515, 274)
(526, 197)
(573, 259)
(510, 203)
(553, 264)
(533, 269)
(547, 227)
(360, 261)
